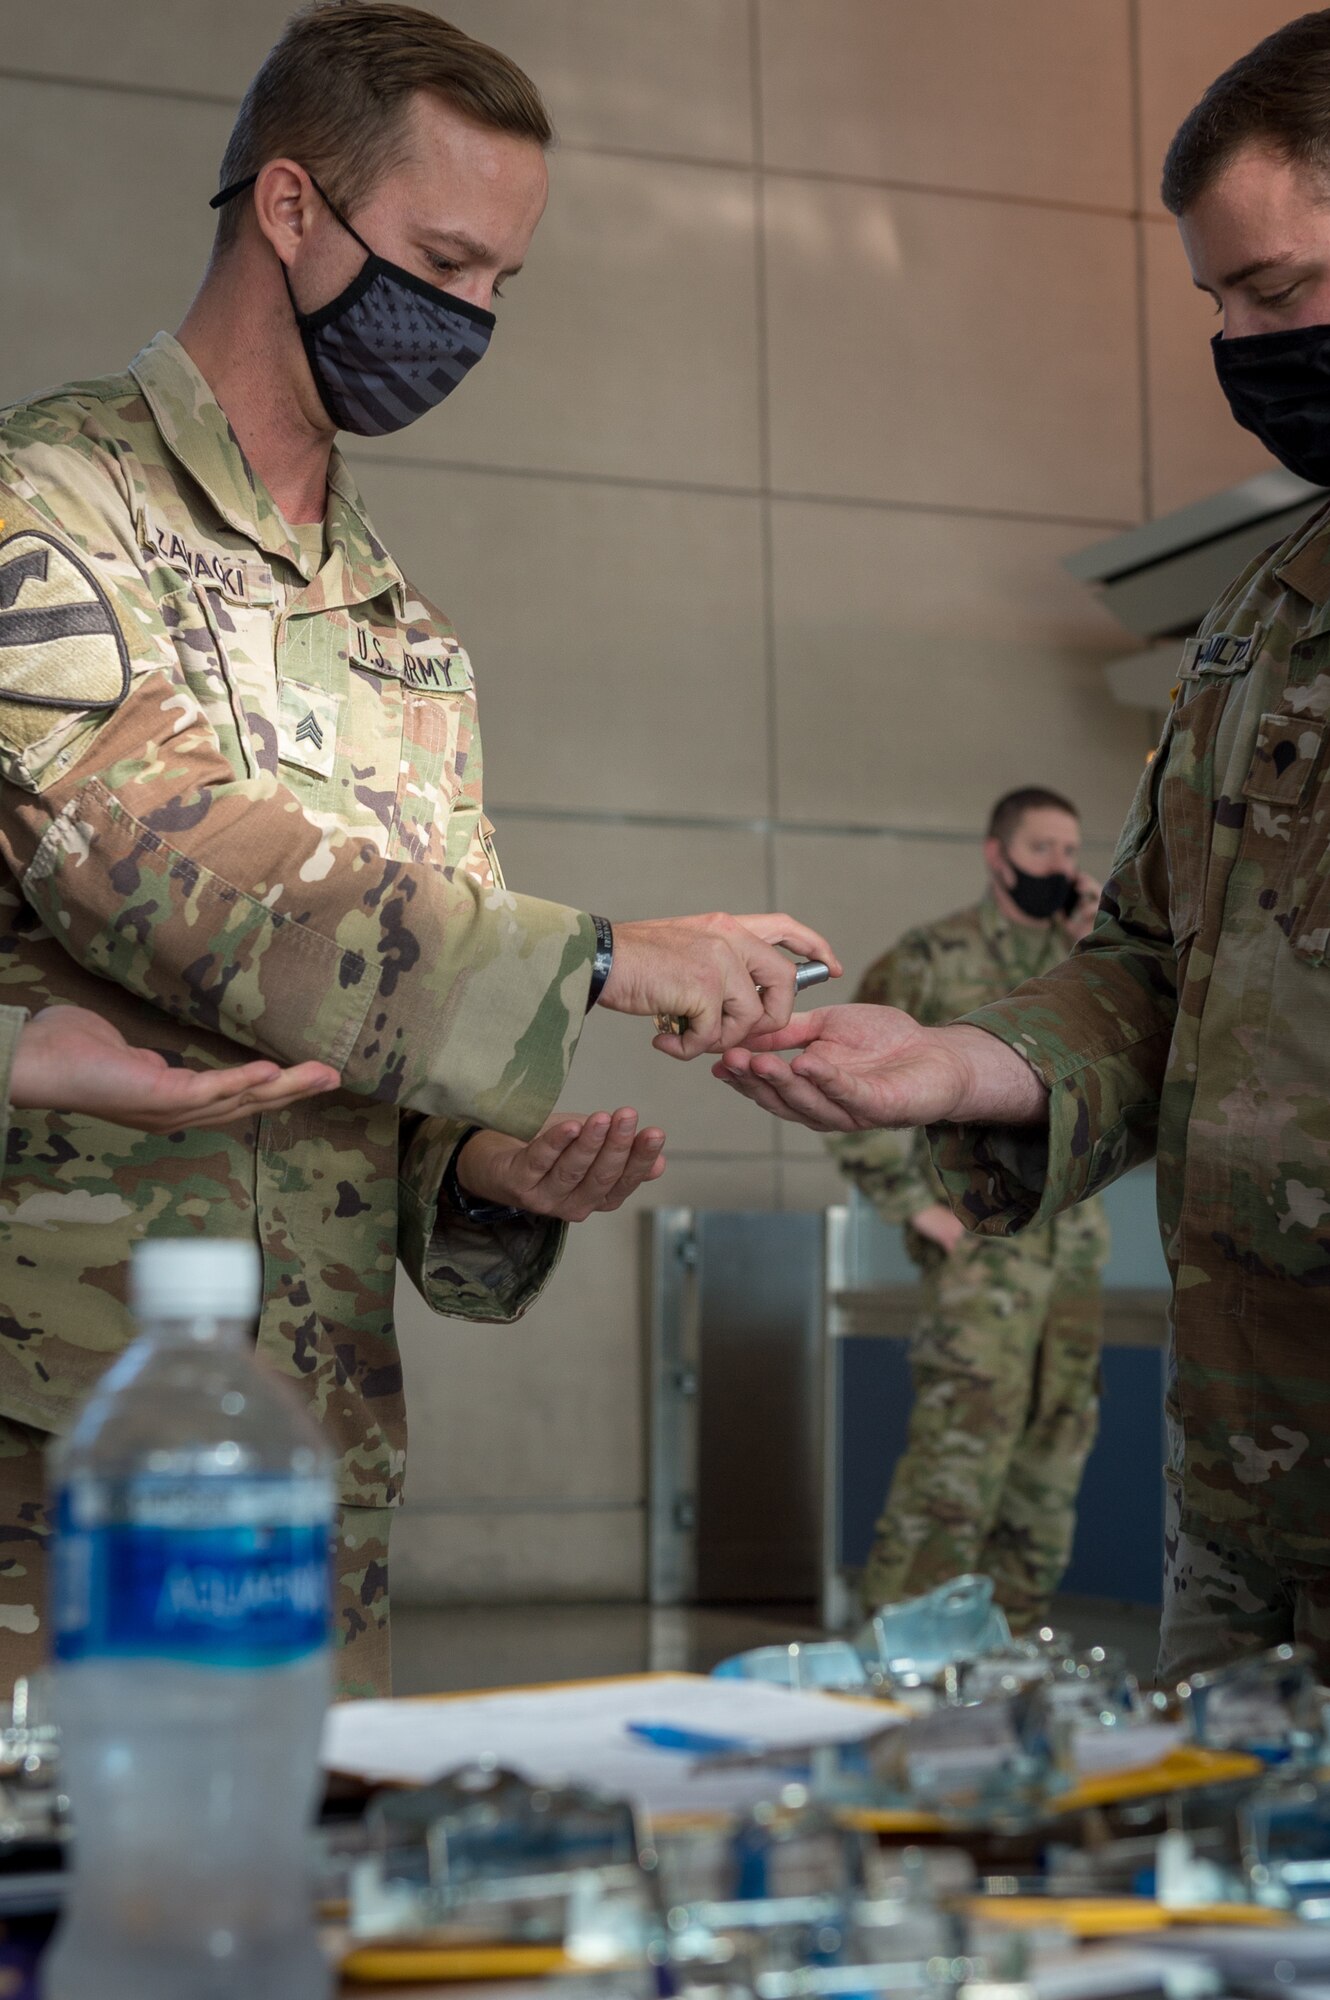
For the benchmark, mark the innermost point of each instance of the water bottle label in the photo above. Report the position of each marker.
(164, 1569)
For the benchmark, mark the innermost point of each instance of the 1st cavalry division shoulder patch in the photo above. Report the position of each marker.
(62, 646)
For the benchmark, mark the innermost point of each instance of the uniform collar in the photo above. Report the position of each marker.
(991, 920)
(1000, 932)
(194, 429)
(1306, 567)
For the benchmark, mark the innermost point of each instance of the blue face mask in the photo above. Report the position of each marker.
(387, 348)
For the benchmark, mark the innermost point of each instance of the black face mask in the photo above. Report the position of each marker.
(1278, 387)
(1042, 896)
(390, 346)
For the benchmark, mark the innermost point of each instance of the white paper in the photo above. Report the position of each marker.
(578, 1735)
(1108, 1753)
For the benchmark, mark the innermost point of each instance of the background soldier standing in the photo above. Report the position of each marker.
(1005, 1355)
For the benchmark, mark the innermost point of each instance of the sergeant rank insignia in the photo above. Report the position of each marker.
(307, 727)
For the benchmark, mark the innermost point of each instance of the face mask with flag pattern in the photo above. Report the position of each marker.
(390, 346)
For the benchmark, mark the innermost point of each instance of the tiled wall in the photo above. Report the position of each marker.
(847, 320)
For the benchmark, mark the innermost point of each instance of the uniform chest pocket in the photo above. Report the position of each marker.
(1288, 829)
(197, 629)
(438, 788)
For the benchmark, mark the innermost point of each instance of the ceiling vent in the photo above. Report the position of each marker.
(1160, 580)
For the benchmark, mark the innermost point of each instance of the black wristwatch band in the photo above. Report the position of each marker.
(466, 1205)
(604, 959)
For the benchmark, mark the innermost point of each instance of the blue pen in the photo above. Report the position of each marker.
(695, 1742)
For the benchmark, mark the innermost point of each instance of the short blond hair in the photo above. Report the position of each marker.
(333, 95)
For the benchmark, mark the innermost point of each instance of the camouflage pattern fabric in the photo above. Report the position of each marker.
(361, 1631)
(361, 1666)
(25, 1529)
(1005, 1366)
(1223, 1603)
(1192, 1023)
(12, 1020)
(1005, 1356)
(242, 806)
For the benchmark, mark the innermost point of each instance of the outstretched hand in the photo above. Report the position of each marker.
(857, 1068)
(70, 1059)
(860, 1068)
(574, 1167)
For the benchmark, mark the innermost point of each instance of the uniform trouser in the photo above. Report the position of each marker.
(1005, 1362)
(1222, 1602)
(362, 1663)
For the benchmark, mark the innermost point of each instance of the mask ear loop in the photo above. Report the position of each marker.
(226, 194)
(301, 319)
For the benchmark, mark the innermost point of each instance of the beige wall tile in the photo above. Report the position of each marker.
(697, 1181)
(672, 79)
(540, 1557)
(926, 664)
(629, 343)
(155, 44)
(1022, 97)
(623, 871)
(1195, 446)
(547, 1412)
(951, 352)
(865, 889)
(1185, 44)
(541, 1410)
(617, 633)
(812, 1183)
(102, 247)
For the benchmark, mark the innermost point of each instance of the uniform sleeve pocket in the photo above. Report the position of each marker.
(1287, 796)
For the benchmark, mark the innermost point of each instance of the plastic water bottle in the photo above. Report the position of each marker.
(191, 1608)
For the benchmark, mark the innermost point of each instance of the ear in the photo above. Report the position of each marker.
(998, 865)
(285, 206)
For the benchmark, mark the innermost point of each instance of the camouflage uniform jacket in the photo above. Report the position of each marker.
(935, 973)
(1195, 1022)
(241, 804)
(11, 1027)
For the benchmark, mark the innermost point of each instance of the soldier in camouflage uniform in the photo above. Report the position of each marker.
(1193, 1021)
(242, 800)
(1005, 1355)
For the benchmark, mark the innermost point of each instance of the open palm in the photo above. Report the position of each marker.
(857, 1068)
(70, 1059)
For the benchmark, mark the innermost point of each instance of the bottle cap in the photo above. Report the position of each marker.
(196, 1277)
